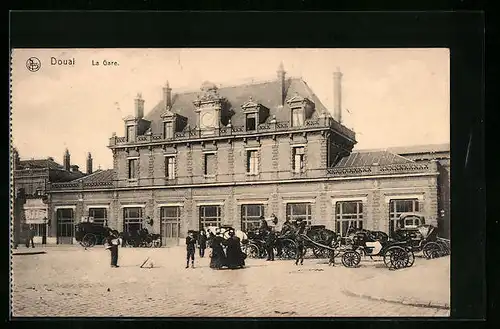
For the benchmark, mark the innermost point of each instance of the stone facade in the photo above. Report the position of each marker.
(250, 145)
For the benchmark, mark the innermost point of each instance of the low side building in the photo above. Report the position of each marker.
(32, 178)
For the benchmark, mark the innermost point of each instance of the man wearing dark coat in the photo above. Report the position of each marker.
(235, 257)
(264, 227)
(190, 248)
(112, 243)
(202, 243)
(270, 242)
(300, 251)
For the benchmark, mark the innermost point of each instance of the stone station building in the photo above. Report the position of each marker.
(226, 156)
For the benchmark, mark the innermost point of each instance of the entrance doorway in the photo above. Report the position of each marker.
(170, 228)
(65, 226)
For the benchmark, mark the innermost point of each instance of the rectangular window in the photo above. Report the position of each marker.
(397, 207)
(253, 162)
(65, 223)
(132, 168)
(250, 216)
(130, 133)
(298, 159)
(132, 219)
(348, 214)
(299, 211)
(168, 129)
(210, 164)
(170, 167)
(297, 117)
(100, 215)
(210, 216)
(170, 219)
(251, 122)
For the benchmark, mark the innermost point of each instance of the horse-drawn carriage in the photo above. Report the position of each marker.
(285, 246)
(421, 237)
(88, 234)
(141, 238)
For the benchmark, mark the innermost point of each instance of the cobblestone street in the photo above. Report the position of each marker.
(71, 281)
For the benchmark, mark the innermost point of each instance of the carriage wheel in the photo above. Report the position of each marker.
(252, 250)
(289, 249)
(396, 257)
(431, 250)
(445, 250)
(351, 258)
(411, 258)
(157, 243)
(89, 240)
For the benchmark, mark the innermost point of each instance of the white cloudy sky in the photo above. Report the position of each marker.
(390, 97)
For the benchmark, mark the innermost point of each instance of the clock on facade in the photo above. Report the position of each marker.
(207, 119)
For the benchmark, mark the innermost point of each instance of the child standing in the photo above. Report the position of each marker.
(202, 243)
(190, 248)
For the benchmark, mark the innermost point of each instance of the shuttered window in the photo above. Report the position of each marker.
(210, 165)
(253, 162)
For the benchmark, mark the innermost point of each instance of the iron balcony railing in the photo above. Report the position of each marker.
(278, 126)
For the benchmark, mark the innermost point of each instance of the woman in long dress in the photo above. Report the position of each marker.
(235, 257)
(218, 259)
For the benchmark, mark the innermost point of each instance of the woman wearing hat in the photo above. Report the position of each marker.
(218, 258)
(235, 257)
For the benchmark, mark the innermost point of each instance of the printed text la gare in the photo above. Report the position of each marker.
(104, 63)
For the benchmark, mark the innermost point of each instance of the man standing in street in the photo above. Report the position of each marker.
(300, 251)
(270, 242)
(202, 243)
(112, 242)
(31, 236)
(190, 248)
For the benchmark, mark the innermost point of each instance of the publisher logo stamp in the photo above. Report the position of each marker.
(33, 64)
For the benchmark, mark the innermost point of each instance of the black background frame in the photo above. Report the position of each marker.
(462, 32)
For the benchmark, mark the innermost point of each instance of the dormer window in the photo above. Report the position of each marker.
(297, 117)
(130, 133)
(301, 109)
(255, 114)
(168, 129)
(172, 122)
(251, 122)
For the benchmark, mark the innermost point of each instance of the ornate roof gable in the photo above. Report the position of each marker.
(250, 105)
(298, 100)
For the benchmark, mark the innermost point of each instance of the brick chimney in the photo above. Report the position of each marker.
(167, 96)
(281, 78)
(139, 106)
(15, 158)
(66, 160)
(89, 164)
(337, 95)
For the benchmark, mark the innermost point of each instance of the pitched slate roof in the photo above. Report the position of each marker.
(367, 158)
(416, 149)
(98, 176)
(39, 163)
(266, 93)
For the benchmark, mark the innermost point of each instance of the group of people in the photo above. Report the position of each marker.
(289, 230)
(223, 252)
